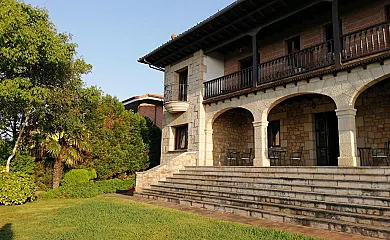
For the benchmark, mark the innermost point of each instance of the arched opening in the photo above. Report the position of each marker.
(233, 138)
(303, 130)
(373, 124)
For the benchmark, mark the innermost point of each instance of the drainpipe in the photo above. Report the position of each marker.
(154, 67)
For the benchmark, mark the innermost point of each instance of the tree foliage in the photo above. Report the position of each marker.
(116, 143)
(48, 118)
(35, 60)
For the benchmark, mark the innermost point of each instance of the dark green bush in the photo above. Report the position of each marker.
(23, 163)
(78, 176)
(89, 189)
(16, 188)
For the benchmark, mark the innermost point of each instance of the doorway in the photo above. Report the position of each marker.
(327, 139)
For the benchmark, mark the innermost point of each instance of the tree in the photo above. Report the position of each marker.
(116, 143)
(65, 149)
(152, 137)
(34, 61)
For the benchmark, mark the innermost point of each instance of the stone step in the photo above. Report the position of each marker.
(381, 221)
(290, 180)
(286, 169)
(328, 224)
(236, 186)
(309, 195)
(286, 200)
(368, 177)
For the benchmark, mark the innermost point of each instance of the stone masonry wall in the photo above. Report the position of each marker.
(297, 129)
(232, 130)
(195, 65)
(373, 116)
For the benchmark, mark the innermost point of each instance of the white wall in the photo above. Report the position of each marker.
(215, 66)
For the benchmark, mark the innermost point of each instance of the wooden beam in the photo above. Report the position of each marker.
(254, 59)
(336, 32)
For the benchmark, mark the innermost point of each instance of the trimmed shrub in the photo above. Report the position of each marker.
(16, 188)
(75, 176)
(89, 189)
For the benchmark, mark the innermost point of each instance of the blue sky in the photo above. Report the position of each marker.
(112, 35)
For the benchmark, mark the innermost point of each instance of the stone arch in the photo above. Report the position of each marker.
(372, 106)
(274, 102)
(232, 130)
(294, 122)
(365, 86)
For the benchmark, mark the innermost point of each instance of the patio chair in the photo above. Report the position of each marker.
(246, 157)
(380, 154)
(231, 157)
(297, 157)
(274, 157)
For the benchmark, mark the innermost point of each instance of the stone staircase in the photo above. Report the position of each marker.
(353, 200)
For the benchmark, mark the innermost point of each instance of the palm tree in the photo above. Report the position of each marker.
(66, 149)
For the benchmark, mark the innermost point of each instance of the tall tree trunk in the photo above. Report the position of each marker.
(57, 171)
(17, 142)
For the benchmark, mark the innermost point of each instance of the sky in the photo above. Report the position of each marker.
(112, 35)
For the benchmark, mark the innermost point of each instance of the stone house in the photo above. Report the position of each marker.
(277, 76)
(327, 94)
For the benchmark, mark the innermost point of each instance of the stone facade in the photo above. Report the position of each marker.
(195, 112)
(232, 130)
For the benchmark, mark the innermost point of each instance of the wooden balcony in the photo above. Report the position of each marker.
(355, 45)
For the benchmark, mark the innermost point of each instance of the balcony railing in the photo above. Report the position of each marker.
(175, 92)
(354, 45)
(365, 42)
(229, 83)
(308, 59)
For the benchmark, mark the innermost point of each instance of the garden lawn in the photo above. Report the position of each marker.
(114, 218)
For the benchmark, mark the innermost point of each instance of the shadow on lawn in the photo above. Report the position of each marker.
(128, 192)
(6, 232)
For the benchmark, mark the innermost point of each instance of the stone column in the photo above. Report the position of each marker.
(347, 137)
(261, 155)
(209, 148)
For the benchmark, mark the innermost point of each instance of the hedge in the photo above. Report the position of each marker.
(16, 188)
(78, 176)
(89, 189)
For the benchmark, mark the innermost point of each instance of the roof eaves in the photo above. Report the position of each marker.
(143, 59)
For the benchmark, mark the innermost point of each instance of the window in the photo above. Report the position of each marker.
(293, 44)
(274, 134)
(328, 32)
(183, 83)
(181, 137)
(387, 10)
(248, 62)
(329, 35)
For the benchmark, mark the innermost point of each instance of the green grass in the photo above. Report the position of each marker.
(111, 218)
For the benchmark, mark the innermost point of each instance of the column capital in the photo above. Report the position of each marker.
(208, 131)
(260, 124)
(346, 112)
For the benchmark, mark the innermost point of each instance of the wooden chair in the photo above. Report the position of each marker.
(231, 157)
(381, 154)
(297, 157)
(273, 157)
(246, 157)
